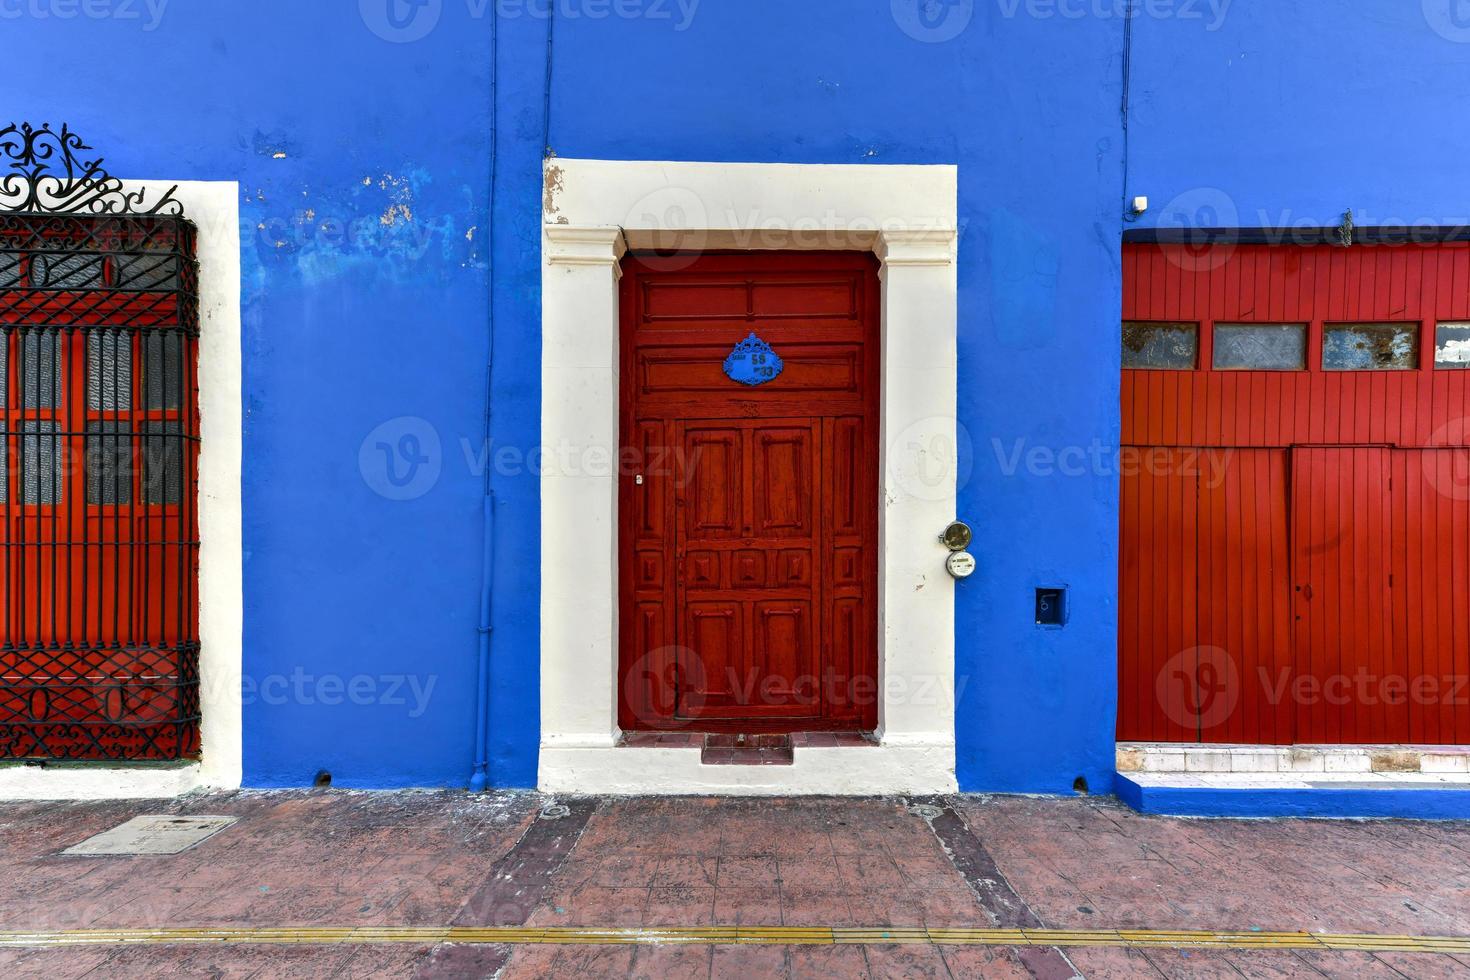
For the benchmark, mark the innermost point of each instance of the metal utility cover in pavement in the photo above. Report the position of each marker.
(152, 835)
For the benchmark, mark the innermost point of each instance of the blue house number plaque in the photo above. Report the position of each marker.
(752, 362)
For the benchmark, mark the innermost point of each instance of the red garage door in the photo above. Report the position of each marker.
(1295, 551)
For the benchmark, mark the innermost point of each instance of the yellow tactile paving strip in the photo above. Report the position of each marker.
(743, 935)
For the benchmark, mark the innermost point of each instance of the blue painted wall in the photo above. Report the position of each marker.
(364, 172)
(1292, 112)
(363, 153)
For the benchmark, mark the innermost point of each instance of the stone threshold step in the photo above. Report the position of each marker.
(746, 750)
(1169, 757)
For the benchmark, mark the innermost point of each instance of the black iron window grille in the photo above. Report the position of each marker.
(99, 447)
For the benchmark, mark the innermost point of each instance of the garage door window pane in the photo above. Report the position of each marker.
(1452, 345)
(1370, 347)
(1161, 346)
(1260, 346)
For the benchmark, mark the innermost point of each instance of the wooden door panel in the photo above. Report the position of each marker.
(783, 648)
(1162, 696)
(711, 496)
(783, 483)
(1430, 579)
(713, 657)
(1341, 567)
(1244, 583)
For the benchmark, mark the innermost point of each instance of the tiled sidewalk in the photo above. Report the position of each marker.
(349, 859)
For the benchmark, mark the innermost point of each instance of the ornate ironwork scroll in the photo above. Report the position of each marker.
(50, 173)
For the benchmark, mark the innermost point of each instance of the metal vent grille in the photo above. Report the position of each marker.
(99, 541)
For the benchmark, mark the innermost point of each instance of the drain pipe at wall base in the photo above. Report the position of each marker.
(480, 778)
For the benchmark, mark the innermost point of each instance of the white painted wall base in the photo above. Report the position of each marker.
(19, 783)
(214, 207)
(913, 764)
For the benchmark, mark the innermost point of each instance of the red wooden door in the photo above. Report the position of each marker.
(749, 512)
(1158, 646)
(1341, 583)
(1431, 577)
(1205, 633)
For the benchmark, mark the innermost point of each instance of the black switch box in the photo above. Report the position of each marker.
(1051, 607)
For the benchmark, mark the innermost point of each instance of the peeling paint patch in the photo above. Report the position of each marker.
(277, 146)
(395, 212)
(385, 225)
(555, 184)
(400, 194)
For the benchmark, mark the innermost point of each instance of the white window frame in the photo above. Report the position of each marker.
(214, 208)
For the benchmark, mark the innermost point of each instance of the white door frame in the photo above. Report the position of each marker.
(594, 210)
